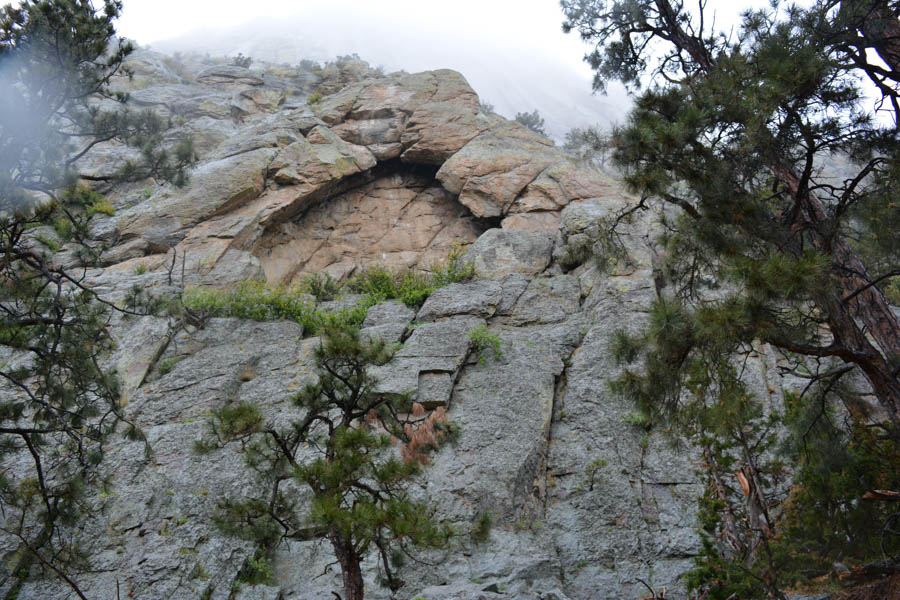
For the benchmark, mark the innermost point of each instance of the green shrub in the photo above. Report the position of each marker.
(48, 241)
(63, 227)
(593, 471)
(892, 290)
(638, 419)
(481, 528)
(482, 341)
(165, 366)
(322, 286)
(413, 288)
(380, 284)
(257, 570)
(377, 282)
(315, 97)
(410, 287)
(256, 301)
(454, 270)
(140, 269)
(102, 206)
(241, 61)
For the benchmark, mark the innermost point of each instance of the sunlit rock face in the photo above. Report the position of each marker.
(393, 170)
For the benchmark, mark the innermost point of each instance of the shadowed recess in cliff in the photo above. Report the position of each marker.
(397, 215)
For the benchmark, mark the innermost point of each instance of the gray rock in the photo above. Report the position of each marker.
(500, 252)
(584, 504)
(229, 76)
(432, 347)
(389, 313)
(478, 298)
(216, 187)
(258, 592)
(547, 300)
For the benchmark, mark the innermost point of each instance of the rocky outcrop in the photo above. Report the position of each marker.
(393, 170)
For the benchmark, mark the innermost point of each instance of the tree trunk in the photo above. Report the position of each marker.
(880, 29)
(857, 323)
(349, 560)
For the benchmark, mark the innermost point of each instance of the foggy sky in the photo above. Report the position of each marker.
(512, 52)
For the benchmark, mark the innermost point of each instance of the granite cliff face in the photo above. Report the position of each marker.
(393, 170)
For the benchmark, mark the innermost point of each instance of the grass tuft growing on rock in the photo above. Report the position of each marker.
(411, 287)
(256, 301)
(485, 343)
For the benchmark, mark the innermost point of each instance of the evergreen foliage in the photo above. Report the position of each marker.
(589, 145)
(241, 61)
(342, 450)
(533, 121)
(736, 136)
(58, 402)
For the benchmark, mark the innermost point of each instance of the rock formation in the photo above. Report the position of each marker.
(393, 170)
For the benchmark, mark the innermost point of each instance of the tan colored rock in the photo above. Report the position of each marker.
(333, 109)
(319, 159)
(427, 116)
(532, 221)
(437, 130)
(259, 99)
(380, 136)
(290, 205)
(397, 221)
(492, 169)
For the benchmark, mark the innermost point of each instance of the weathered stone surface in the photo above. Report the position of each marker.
(216, 188)
(507, 407)
(532, 221)
(259, 99)
(499, 252)
(389, 313)
(392, 170)
(547, 300)
(434, 389)
(479, 298)
(228, 76)
(491, 170)
(562, 183)
(432, 347)
(319, 159)
(397, 221)
(214, 105)
(164, 98)
(140, 340)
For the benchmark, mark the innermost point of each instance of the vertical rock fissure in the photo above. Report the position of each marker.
(559, 391)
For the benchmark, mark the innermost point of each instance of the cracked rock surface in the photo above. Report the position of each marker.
(393, 170)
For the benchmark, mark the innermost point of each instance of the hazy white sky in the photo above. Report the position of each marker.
(513, 52)
(516, 21)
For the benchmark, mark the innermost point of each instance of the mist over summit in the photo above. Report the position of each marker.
(513, 74)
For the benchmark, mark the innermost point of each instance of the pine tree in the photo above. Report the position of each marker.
(368, 448)
(533, 121)
(58, 403)
(735, 133)
(738, 137)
